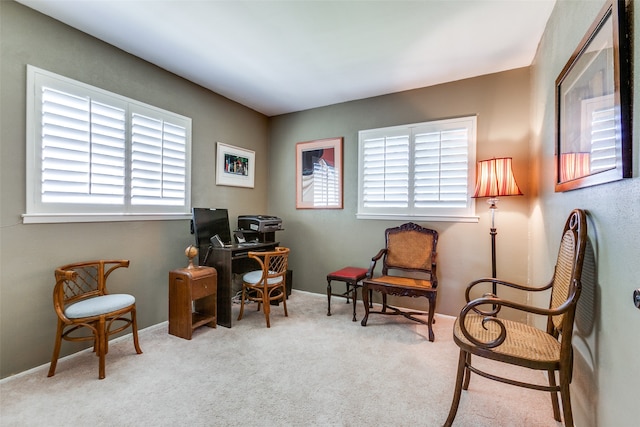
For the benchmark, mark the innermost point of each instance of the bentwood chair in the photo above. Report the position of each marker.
(479, 332)
(408, 270)
(82, 303)
(268, 284)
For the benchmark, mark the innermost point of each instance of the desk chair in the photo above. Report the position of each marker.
(268, 283)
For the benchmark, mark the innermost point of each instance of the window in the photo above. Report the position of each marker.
(418, 171)
(96, 156)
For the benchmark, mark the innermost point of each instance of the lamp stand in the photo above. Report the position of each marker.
(492, 201)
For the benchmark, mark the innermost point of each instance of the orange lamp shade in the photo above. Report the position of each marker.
(495, 178)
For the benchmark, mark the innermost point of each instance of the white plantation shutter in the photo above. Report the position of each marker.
(419, 170)
(158, 162)
(441, 169)
(83, 150)
(95, 155)
(385, 173)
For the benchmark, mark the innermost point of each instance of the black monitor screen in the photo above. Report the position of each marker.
(208, 222)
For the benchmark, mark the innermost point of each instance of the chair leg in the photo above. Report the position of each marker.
(366, 295)
(134, 331)
(267, 307)
(284, 300)
(432, 310)
(467, 372)
(56, 349)
(259, 297)
(554, 395)
(458, 390)
(565, 395)
(242, 304)
(101, 349)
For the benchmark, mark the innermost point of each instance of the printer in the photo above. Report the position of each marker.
(259, 223)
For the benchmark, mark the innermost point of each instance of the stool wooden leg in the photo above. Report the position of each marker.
(328, 297)
(354, 297)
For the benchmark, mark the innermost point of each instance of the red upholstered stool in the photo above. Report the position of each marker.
(352, 277)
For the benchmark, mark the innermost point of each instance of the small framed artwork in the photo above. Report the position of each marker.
(593, 106)
(235, 166)
(319, 174)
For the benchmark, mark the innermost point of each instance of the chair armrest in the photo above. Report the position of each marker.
(108, 270)
(374, 261)
(117, 264)
(259, 257)
(504, 283)
(496, 304)
(434, 274)
(58, 293)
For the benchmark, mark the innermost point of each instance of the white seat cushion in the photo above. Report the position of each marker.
(99, 305)
(254, 277)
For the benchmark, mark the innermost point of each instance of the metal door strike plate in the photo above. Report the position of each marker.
(636, 298)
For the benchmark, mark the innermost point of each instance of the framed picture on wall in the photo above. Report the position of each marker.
(319, 174)
(593, 106)
(235, 166)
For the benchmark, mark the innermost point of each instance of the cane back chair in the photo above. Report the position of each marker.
(268, 283)
(408, 270)
(81, 300)
(479, 332)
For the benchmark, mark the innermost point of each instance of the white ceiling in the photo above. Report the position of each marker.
(283, 56)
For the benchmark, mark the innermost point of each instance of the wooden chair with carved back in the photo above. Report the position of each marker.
(408, 270)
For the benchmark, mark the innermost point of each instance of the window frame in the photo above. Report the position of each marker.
(38, 211)
(466, 214)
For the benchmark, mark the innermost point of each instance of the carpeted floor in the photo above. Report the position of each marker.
(306, 370)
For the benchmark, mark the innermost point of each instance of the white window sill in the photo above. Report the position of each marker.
(63, 218)
(419, 218)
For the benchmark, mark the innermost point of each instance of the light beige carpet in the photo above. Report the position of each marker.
(306, 370)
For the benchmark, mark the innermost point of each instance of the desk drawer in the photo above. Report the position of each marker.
(203, 287)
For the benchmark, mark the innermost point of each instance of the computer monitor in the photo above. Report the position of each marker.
(206, 223)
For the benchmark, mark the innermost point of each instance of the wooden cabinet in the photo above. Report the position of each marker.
(192, 300)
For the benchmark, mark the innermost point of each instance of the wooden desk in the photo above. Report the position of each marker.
(231, 260)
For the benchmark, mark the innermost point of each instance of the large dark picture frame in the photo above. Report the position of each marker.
(593, 105)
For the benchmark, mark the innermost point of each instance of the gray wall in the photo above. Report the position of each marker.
(607, 372)
(29, 253)
(326, 240)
